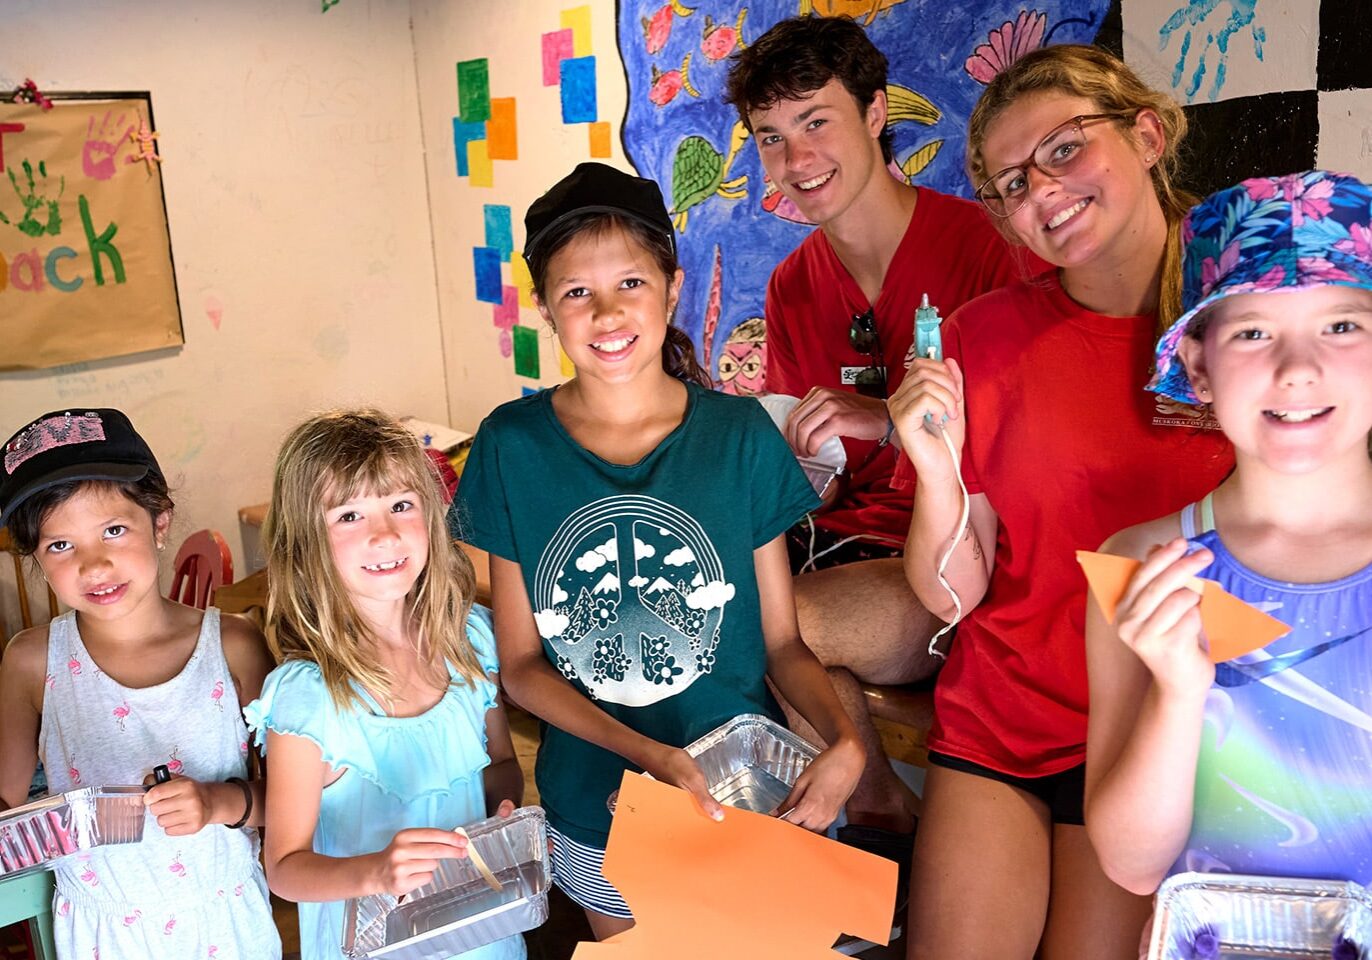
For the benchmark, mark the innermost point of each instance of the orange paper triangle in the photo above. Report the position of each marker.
(1232, 627)
(750, 885)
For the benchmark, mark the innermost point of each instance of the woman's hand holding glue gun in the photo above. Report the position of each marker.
(928, 404)
(926, 412)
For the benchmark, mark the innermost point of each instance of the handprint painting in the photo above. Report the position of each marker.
(733, 225)
(630, 593)
(84, 245)
(1202, 51)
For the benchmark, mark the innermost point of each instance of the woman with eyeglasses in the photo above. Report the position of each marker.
(1041, 397)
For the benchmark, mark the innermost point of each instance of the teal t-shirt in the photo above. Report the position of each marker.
(640, 577)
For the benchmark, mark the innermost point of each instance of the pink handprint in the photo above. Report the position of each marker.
(97, 156)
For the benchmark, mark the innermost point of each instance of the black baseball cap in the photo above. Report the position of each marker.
(70, 445)
(596, 188)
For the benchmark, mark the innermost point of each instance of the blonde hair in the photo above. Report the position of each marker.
(326, 461)
(1101, 77)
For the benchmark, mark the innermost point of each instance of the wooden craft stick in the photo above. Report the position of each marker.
(480, 863)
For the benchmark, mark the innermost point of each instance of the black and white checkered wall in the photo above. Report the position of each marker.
(1269, 86)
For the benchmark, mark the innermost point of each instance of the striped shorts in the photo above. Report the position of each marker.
(576, 871)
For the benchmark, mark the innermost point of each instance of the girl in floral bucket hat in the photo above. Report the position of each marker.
(1257, 765)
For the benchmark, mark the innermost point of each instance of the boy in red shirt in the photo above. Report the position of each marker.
(840, 324)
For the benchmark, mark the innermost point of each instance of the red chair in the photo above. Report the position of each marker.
(203, 565)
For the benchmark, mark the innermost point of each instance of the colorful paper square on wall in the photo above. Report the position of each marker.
(557, 46)
(600, 139)
(526, 352)
(473, 91)
(486, 261)
(578, 90)
(501, 131)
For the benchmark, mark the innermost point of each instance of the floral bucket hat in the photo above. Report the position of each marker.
(1269, 233)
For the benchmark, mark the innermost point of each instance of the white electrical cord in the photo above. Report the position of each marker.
(948, 554)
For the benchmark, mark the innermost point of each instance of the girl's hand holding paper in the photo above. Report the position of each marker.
(1159, 618)
(1149, 599)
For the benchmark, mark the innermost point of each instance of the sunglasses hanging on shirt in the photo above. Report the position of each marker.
(863, 337)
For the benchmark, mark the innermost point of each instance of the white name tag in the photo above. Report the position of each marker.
(848, 375)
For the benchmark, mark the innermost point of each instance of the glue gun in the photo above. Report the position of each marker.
(928, 340)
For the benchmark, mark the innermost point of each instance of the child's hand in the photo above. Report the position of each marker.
(1159, 619)
(677, 767)
(412, 856)
(934, 388)
(182, 806)
(824, 786)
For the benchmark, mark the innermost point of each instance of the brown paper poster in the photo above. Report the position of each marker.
(85, 255)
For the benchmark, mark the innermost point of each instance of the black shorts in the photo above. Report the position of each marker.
(1064, 793)
(828, 549)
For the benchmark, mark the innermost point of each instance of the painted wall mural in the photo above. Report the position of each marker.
(734, 225)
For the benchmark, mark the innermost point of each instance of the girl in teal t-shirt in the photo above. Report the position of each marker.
(635, 523)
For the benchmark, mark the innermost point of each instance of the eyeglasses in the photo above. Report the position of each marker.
(1005, 192)
(863, 336)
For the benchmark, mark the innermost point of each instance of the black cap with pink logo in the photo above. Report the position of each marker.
(71, 445)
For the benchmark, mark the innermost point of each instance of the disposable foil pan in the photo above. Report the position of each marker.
(34, 836)
(751, 762)
(1216, 916)
(459, 911)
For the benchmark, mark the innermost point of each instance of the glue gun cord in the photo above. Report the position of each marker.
(948, 554)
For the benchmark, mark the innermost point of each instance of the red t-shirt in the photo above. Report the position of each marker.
(951, 252)
(1068, 448)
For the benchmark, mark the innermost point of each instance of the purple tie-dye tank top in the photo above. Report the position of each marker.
(1284, 780)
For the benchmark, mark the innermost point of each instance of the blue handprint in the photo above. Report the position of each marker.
(1241, 14)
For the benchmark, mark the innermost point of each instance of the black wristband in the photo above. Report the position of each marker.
(247, 802)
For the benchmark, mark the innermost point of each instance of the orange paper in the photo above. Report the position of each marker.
(750, 885)
(600, 139)
(1231, 627)
(501, 135)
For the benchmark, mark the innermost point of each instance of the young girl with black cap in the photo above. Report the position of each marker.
(635, 522)
(126, 681)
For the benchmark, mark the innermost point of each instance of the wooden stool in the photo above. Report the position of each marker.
(902, 716)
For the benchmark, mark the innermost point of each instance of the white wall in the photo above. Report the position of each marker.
(294, 178)
(509, 36)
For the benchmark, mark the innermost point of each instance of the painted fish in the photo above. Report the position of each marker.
(904, 104)
(721, 39)
(657, 30)
(869, 9)
(667, 84)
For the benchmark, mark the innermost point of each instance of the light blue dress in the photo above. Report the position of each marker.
(400, 772)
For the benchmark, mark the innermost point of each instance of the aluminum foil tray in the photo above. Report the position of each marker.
(459, 911)
(751, 762)
(36, 834)
(1215, 916)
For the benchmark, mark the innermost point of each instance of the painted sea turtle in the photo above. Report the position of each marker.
(698, 172)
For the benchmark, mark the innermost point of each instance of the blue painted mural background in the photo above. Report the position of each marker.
(675, 57)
